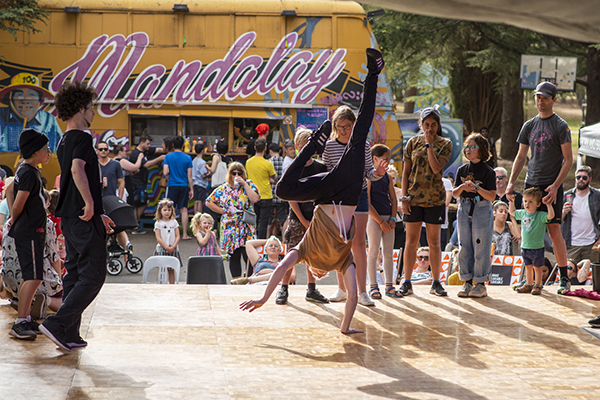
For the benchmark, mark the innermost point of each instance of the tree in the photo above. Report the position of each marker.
(21, 16)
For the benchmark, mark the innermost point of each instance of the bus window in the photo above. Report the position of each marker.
(157, 127)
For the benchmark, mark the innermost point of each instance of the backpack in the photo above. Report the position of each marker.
(220, 175)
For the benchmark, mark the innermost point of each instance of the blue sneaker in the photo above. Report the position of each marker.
(564, 286)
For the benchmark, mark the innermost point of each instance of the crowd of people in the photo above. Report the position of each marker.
(325, 195)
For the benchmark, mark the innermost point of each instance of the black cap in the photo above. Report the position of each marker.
(546, 89)
(31, 141)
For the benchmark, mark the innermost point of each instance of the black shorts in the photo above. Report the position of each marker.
(31, 257)
(200, 193)
(558, 205)
(430, 215)
(179, 195)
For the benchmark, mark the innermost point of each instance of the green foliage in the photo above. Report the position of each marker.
(21, 15)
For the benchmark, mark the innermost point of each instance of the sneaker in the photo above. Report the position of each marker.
(375, 61)
(78, 343)
(406, 288)
(315, 296)
(240, 281)
(339, 295)
(520, 284)
(438, 289)
(38, 307)
(34, 326)
(564, 286)
(466, 289)
(282, 296)
(365, 300)
(320, 136)
(537, 290)
(524, 289)
(55, 337)
(478, 291)
(22, 331)
(130, 247)
(138, 231)
(595, 323)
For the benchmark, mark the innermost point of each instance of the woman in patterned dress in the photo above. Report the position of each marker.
(238, 193)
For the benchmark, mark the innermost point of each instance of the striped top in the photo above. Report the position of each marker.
(334, 150)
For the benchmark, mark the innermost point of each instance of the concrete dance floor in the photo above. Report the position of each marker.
(191, 342)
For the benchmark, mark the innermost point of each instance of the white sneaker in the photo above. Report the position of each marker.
(365, 300)
(339, 295)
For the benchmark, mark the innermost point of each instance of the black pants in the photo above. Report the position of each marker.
(235, 262)
(264, 211)
(344, 182)
(86, 271)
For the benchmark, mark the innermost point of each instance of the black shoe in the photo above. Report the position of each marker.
(320, 136)
(315, 296)
(406, 288)
(58, 339)
(375, 61)
(438, 289)
(282, 296)
(595, 323)
(77, 343)
(34, 326)
(22, 331)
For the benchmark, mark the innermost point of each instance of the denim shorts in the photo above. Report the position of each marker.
(363, 203)
(533, 257)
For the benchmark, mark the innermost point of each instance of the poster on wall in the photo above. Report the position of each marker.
(311, 118)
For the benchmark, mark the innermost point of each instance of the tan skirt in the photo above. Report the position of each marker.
(323, 248)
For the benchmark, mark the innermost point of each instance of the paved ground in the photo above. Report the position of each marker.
(144, 245)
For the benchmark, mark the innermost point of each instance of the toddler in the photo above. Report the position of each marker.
(207, 241)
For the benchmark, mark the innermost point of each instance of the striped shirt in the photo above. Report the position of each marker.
(334, 150)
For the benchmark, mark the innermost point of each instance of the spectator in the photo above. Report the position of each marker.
(166, 230)
(218, 169)
(200, 176)
(280, 207)
(27, 226)
(501, 182)
(263, 266)
(139, 180)
(505, 232)
(581, 214)
(262, 173)
(421, 275)
(578, 272)
(238, 193)
(493, 161)
(177, 168)
(207, 241)
(4, 210)
(290, 153)
(80, 209)
(113, 182)
(127, 166)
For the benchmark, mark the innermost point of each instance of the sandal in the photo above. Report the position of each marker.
(375, 293)
(537, 290)
(524, 289)
(392, 292)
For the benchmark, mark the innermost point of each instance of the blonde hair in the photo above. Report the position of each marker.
(302, 135)
(161, 204)
(276, 239)
(197, 221)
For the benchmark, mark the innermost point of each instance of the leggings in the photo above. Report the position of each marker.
(235, 262)
(343, 184)
(378, 238)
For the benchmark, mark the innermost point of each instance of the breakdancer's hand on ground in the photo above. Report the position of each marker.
(252, 305)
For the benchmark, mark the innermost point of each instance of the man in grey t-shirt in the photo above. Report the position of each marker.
(549, 138)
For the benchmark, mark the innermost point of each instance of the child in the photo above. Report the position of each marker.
(207, 242)
(166, 229)
(327, 244)
(475, 185)
(27, 225)
(505, 232)
(533, 227)
(200, 175)
(383, 206)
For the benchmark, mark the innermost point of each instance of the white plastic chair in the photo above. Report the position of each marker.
(162, 263)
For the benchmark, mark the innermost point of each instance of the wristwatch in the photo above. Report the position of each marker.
(427, 145)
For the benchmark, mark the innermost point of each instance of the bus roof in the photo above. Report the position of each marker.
(301, 7)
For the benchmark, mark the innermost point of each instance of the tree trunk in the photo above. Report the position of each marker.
(409, 106)
(592, 114)
(512, 117)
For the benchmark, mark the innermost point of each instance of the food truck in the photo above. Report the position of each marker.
(205, 70)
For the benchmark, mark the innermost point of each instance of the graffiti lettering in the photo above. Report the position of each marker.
(351, 95)
(302, 73)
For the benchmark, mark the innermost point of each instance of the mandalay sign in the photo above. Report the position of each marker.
(301, 72)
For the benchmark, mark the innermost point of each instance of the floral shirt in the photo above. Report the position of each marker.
(234, 232)
(424, 186)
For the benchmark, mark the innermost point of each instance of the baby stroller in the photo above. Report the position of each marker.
(123, 216)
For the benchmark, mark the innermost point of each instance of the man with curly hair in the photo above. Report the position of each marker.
(84, 224)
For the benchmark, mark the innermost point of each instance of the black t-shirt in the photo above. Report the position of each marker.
(141, 177)
(78, 144)
(308, 208)
(518, 199)
(479, 173)
(32, 220)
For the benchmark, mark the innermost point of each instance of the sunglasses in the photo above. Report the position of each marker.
(102, 148)
(423, 258)
(500, 176)
(237, 173)
(569, 267)
(472, 147)
(582, 177)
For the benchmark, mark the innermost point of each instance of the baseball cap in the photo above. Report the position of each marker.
(546, 89)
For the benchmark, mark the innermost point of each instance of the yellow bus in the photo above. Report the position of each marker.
(206, 70)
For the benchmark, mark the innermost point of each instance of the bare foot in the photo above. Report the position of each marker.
(350, 331)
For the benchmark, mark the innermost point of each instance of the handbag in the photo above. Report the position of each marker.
(163, 182)
(249, 217)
